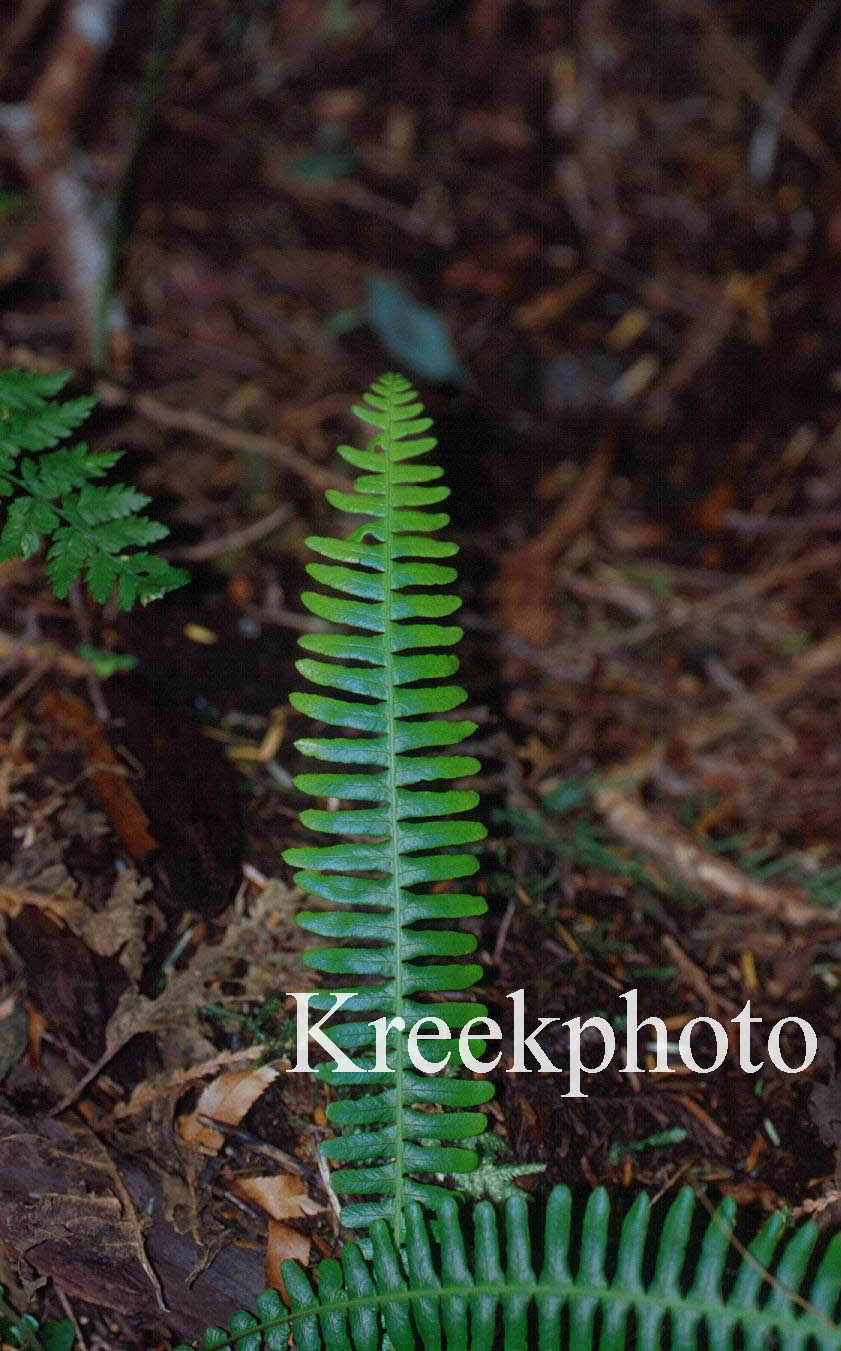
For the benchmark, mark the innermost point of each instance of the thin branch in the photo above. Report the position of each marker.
(763, 146)
(684, 858)
(234, 539)
(209, 428)
(618, 802)
(751, 81)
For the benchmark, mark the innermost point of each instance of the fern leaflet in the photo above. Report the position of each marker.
(94, 529)
(449, 1296)
(388, 582)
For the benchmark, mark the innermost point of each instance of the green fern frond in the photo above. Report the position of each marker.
(572, 1297)
(389, 590)
(93, 529)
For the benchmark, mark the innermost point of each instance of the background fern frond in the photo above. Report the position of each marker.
(388, 589)
(569, 1297)
(92, 529)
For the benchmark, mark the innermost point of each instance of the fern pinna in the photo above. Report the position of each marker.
(390, 591)
(55, 492)
(652, 1296)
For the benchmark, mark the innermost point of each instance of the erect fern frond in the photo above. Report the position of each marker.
(569, 1297)
(390, 591)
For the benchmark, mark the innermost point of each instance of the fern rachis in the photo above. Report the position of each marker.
(394, 1131)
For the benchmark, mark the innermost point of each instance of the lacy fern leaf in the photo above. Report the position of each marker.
(653, 1296)
(93, 529)
(390, 589)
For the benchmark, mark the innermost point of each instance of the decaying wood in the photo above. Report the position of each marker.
(64, 1209)
(68, 715)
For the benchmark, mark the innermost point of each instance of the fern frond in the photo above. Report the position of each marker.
(569, 1297)
(25, 391)
(389, 590)
(93, 530)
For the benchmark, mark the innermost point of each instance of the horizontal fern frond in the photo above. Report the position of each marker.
(389, 683)
(579, 1293)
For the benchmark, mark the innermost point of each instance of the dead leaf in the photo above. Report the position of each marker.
(284, 1242)
(162, 1085)
(226, 1100)
(266, 940)
(283, 1196)
(120, 927)
(198, 1134)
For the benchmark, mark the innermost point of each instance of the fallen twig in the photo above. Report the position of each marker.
(679, 853)
(234, 438)
(763, 147)
(750, 80)
(40, 650)
(525, 574)
(234, 539)
(765, 717)
(26, 683)
(810, 523)
(692, 975)
(685, 859)
(679, 614)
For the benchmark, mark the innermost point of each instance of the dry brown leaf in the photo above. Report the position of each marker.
(229, 1097)
(272, 963)
(226, 1100)
(284, 1242)
(162, 1085)
(120, 927)
(283, 1196)
(198, 1134)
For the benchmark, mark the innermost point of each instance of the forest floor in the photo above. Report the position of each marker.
(635, 249)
